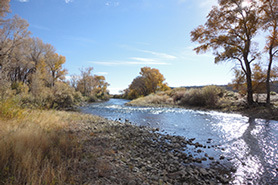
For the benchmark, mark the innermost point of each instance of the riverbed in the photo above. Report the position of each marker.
(249, 145)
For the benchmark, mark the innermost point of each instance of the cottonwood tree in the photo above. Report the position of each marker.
(74, 81)
(86, 82)
(269, 10)
(100, 87)
(13, 33)
(259, 76)
(150, 81)
(4, 7)
(154, 80)
(54, 65)
(229, 31)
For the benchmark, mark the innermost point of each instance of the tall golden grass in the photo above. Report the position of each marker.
(34, 146)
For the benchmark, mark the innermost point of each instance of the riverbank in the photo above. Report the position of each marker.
(73, 148)
(229, 103)
(121, 153)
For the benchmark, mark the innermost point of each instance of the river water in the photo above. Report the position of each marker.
(249, 145)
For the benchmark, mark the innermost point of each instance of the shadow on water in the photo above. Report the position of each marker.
(251, 145)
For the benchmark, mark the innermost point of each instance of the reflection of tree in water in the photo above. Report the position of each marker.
(256, 150)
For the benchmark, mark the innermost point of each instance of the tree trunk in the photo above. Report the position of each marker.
(268, 78)
(250, 100)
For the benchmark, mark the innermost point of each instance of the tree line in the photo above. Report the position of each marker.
(34, 70)
(230, 31)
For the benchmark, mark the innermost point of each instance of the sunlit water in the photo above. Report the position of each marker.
(249, 145)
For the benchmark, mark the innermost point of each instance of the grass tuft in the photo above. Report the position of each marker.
(34, 146)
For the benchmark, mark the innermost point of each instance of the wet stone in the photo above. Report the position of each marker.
(222, 157)
(211, 158)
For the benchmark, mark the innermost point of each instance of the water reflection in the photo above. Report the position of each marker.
(250, 144)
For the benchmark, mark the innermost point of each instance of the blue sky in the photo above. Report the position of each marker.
(118, 37)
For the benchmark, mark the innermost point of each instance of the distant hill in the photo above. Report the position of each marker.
(227, 87)
(273, 87)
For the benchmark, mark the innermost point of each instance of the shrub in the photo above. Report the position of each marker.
(211, 94)
(193, 97)
(273, 93)
(207, 96)
(177, 95)
(10, 109)
(63, 96)
(92, 99)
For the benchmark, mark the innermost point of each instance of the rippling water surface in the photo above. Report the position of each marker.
(249, 145)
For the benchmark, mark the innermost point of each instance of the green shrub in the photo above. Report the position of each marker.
(273, 93)
(10, 109)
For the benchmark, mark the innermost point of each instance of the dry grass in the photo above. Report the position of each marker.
(34, 146)
(153, 99)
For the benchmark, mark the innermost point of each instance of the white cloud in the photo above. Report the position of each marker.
(143, 59)
(114, 3)
(125, 63)
(23, 1)
(160, 55)
(69, 1)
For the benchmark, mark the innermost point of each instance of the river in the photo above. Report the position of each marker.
(249, 145)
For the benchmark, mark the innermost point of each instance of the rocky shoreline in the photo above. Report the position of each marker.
(120, 153)
(257, 111)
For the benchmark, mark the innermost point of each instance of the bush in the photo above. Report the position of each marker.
(178, 94)
(207, 96)
(92, 99)
(211, 95)
(10, 109)
(273, 93)
(193, 97)
(63, 96)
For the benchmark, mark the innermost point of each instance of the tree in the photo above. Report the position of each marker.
(100, 86)
(269, 9)
(54, 67)
(13, 33)
(4, 7)
(229, 32)
(259, 76)
(153, 80)
(150, 81)
(74, 81)
(86, 82)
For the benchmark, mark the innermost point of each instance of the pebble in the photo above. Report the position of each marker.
(222, 157)
(160, 158)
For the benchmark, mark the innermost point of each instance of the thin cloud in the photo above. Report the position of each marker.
(23, 1)
(39, 27)
(114, 4)
(69, 1)
(127, 63)
(160, 55)
(143, 59)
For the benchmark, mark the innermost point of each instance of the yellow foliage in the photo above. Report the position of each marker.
(150, 81)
